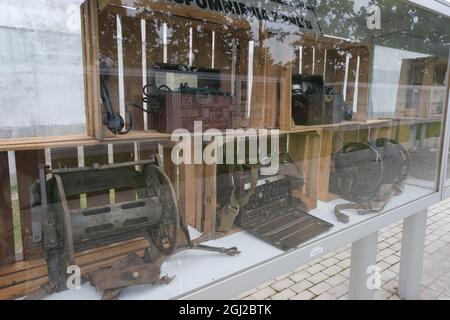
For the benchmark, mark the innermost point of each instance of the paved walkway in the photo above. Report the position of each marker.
(328, 276)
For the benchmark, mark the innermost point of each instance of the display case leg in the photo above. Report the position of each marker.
(363, 264)
(411, 259)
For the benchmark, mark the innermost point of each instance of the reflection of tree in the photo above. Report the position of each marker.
(403, 25)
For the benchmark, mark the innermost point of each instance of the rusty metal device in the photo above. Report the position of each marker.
(153, 214)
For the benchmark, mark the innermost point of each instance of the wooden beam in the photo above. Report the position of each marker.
(27, 164)
(7, 249)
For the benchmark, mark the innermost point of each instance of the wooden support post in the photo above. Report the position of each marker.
(326, 151)
(210, 189)
(66, 158)
(124, 153)
(96, 154)
(7, 249)
(27, 164)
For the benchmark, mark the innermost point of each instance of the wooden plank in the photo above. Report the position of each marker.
(66, 158)
(124, 152)
(307, 60)
(132, 65)
(27, 165)
(304, 150)
(202, 40)
(326, 151)
(96, 155)
(23, 281)
(335, 71)
(352, 79)
(363, 88)
(198, 185)
(91, 53)
(258, 102)
(210, 191)
(178, 40)
(154, 54)
(190, 188)
(108, 50)
(285, 98)
(7, 248)
(319, 62)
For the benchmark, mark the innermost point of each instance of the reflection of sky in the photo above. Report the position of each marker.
(386, 78)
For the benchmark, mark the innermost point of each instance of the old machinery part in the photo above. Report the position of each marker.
(368, 175)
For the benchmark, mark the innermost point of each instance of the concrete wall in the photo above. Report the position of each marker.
(41, 73)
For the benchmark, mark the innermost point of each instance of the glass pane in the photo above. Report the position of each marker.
(231, 134)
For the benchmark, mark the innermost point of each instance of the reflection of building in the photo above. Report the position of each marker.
(422, 89)
(41, 70)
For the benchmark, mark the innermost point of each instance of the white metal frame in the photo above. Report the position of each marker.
(362, 235)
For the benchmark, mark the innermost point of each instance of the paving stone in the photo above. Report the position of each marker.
(329, 262)
(383, 245)
(431, 248)
(393, 259)
(283, 284)
(325, 296)
(301, 268)
(320, 288)
(266, 284)
(327, 277)
(387, 275)
(437, 287)
(345, 273)
(395, 268)
(246, 294)
(336, 280)
(299, 276)
(386, 252)
(264, 293)
(318, 277)
(342, 255)
(285, 275)
(283, 295)
(396, 246)
(315, 268)
(331, 271)
(301, 286)
(382, 294)
(383, 265)
(391, 240)
(391, 286)
(305, 295)
(344, 264)
(340, 290)
(429, 294)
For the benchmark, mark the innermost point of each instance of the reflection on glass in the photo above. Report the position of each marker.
(359, 105)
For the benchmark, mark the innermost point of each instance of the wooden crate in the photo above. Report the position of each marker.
(344, 65)
(133, 40)
(422, 90)
(25, 271)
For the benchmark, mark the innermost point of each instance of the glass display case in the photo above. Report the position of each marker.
(208, 138)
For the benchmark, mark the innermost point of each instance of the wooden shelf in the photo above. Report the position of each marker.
(343, 125)
(19, 279)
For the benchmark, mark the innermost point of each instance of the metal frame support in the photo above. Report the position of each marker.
(363, 257)
(412, 252)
